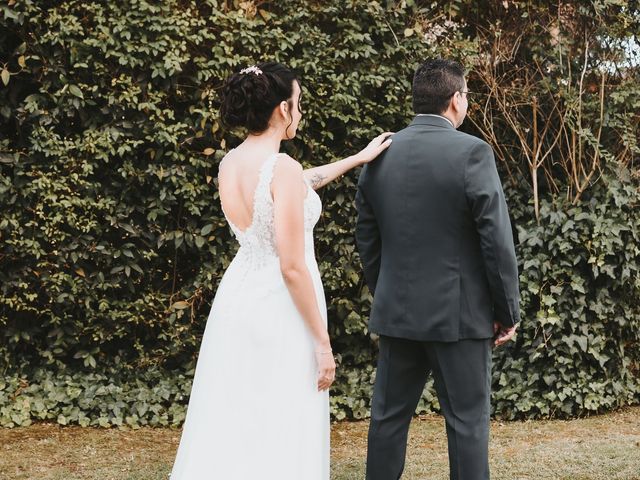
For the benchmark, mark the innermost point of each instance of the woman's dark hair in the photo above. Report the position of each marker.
(434, 83)
(248, 98)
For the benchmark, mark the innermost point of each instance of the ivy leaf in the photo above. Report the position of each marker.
(75, 91)
(264, 14)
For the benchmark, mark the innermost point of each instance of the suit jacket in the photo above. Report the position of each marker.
(434, 237)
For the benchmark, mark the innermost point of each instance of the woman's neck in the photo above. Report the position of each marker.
(269, 139)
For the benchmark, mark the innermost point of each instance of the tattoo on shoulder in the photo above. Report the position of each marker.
(317, 179)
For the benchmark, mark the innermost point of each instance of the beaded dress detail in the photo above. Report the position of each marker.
(257, 242)
(254, 411)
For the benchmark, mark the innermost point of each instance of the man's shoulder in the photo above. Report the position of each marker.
(471, 140)
(408, 134)
(448, 141)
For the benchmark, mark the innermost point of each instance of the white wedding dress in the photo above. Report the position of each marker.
(255, 412)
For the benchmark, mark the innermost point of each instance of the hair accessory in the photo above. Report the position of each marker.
(252, 69)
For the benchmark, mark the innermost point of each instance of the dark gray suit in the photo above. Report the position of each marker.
(437, 249)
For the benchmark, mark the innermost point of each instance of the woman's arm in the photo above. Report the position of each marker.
(319, 176)
(288, 209)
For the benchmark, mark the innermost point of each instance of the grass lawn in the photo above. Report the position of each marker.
(596, 448)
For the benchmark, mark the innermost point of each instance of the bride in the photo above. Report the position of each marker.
(259, 404)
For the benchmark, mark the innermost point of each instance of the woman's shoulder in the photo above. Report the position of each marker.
(287, 164)
(227, 158)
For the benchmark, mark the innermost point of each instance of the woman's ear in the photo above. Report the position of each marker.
(284, 109)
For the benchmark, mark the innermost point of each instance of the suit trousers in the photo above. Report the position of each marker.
(462, 378)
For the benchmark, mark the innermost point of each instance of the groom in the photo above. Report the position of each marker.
(436, 245)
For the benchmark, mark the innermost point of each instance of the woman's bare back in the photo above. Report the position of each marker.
(238, 177)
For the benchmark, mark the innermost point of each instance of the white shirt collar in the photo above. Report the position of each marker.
(434, 115)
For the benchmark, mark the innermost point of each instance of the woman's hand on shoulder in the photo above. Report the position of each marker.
(376, 146)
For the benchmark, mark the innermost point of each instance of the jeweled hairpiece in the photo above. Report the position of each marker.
(252, 69)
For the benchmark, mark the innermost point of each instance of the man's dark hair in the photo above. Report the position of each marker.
(434, 83)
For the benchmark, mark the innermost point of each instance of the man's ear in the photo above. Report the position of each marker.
(455, 102)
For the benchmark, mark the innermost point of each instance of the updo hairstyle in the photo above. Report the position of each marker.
(248, 98)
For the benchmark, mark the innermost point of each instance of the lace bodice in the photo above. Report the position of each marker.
(257, 241)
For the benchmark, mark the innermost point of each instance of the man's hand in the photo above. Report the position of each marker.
(502, 334)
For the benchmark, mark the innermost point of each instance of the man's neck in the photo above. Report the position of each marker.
(436, 115)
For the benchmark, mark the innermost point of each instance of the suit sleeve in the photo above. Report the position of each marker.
(489, 210)
(367, 235)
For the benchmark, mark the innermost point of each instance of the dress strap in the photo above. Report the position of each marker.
(266, 172)
(262, 195)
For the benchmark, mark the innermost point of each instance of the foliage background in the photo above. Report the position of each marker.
(112, 240)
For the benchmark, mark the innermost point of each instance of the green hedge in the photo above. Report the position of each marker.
(151, 397)
(112, 240)
(578, 350)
